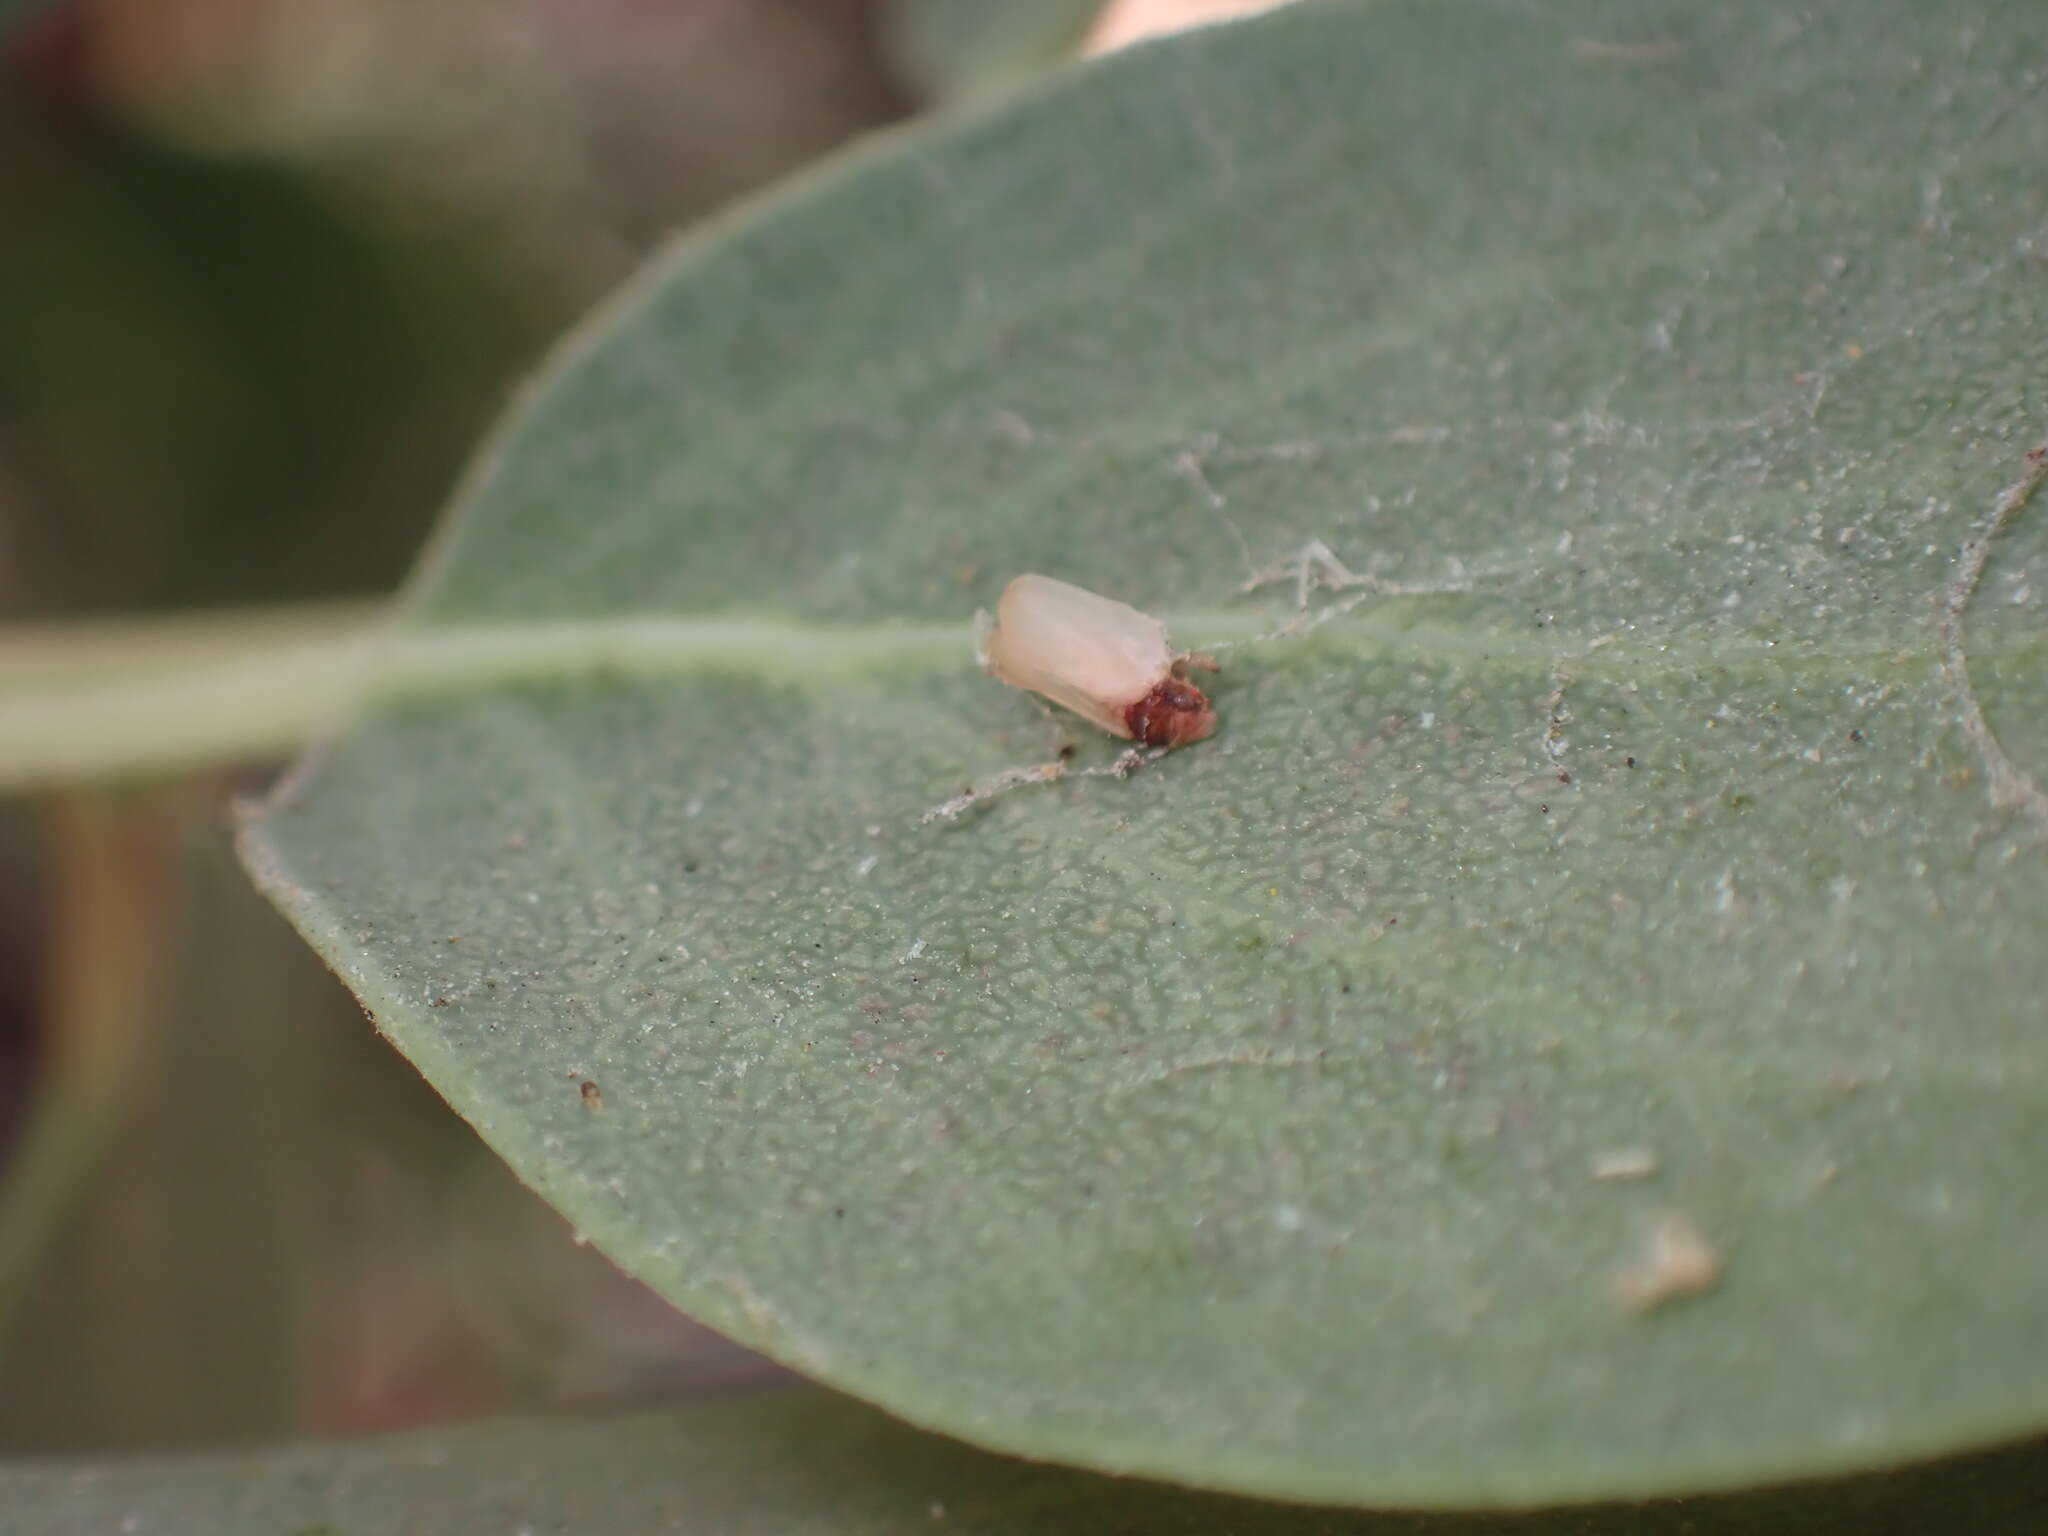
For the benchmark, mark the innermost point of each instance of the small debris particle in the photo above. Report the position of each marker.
(1008, 779)
(867, 865)
(1855, 735)
(1563, 777)
(1624, 1163)
(593, 1096)
(1631, 762)
(1677, 1263)
(1545, 809)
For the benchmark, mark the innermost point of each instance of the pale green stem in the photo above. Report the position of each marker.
(142, 700)
(139, 700)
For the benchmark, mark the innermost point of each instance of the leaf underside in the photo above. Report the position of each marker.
(807, 1463)
(1669, 807)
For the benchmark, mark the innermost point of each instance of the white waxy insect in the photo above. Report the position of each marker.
(1102, 659)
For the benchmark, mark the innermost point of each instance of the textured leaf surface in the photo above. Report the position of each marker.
(811, 1464)
(1239, 1121)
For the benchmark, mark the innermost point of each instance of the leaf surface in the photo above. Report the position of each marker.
(1664, 802)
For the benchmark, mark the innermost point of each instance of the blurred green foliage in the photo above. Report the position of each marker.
(217, 388)
(266, 271)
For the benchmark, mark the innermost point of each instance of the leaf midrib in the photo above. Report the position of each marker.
(248, 705)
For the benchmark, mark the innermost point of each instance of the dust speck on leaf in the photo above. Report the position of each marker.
(1677, 1262)
(1624, 1163)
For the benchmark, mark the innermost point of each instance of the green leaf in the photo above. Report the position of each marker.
(808, 1464)
(962, 50)
(1669, 805)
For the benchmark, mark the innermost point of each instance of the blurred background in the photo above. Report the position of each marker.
(267, 270)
